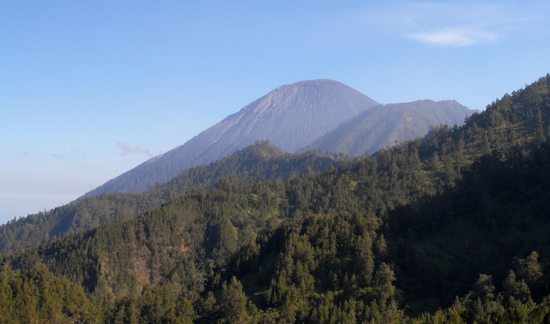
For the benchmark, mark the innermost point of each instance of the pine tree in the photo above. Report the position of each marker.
(233, 302)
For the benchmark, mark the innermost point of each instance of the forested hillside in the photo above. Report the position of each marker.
(450, 228)
(498, 213)
(256, 162)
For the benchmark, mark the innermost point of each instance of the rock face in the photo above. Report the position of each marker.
(387, 125)
(291, 117)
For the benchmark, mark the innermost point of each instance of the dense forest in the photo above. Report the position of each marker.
(452, 227)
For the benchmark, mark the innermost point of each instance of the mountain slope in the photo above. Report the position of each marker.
(290, 117)
(387, 125)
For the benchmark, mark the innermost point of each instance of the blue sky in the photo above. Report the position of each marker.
(89, 89)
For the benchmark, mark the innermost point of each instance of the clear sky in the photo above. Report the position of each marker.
(90, 89)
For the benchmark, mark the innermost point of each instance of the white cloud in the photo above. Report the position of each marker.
(455, 37)
(464, 23)
(126, 149)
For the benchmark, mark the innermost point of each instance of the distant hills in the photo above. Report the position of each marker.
(322, 115)
(386, 125)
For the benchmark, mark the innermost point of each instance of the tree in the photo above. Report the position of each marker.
(530, 270)
(233, 302)
(384, 279)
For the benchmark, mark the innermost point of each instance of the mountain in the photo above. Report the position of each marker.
(387, 125)
(378, 239)
(289, 117)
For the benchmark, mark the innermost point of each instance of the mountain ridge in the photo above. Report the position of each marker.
(389, 124)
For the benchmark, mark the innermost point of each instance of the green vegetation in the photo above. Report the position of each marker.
(450, 228)
(32, 294)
